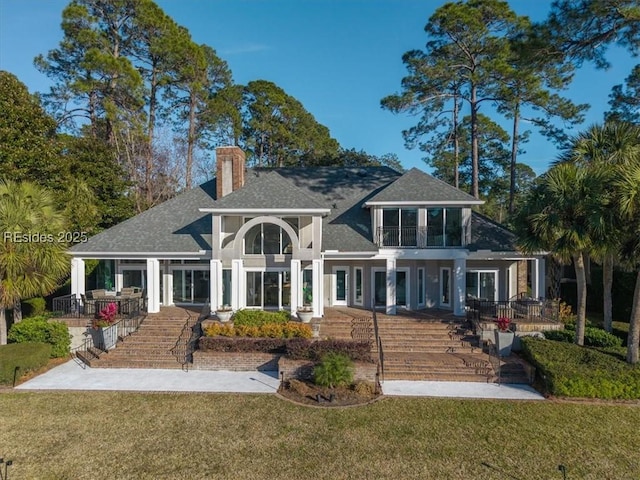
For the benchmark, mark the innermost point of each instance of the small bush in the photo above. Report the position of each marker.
(566, 313)
(365, 389)
(217, 329)
(38, 329)
(299, 349)
(257, 318)
(26, 356)
(34, 307)
(570, 370)
(593, 336)
(334, 370)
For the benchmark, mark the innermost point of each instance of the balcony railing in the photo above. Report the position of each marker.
(416, 237)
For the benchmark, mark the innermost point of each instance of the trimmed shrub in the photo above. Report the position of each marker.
(34, 307)
(593, 336)
(38, 329)
(26, 356)
(300, 349)
(334, 370)
(234, 344)
(257, 318)
(570, 370)
(268, 330)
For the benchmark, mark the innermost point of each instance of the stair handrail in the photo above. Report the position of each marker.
(376, 332)
(494, 359)
(186, 343)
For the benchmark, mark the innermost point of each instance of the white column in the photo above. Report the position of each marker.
(77, 277)
(295, 285)
(318, 287)
(459, 285)
(538, 277)
(237, 284)
(168, 286)
(215, 285)
(391, 286)
(153, 285)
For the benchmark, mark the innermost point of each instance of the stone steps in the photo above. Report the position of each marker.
(427, 349)
(150, 347)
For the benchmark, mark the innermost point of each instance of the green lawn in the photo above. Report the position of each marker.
(191, 436)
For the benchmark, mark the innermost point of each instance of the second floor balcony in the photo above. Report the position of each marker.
(417, 237)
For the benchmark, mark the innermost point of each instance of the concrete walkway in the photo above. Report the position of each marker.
(72, 376)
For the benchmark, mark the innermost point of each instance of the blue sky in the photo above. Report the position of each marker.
(338, 57)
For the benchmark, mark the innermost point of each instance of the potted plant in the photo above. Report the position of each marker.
(224, 313)
(504, 337)
(106, 326)
(305, 313)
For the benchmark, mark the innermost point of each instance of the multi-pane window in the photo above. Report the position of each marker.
(400, 227)
(444, 227)
(269, 239)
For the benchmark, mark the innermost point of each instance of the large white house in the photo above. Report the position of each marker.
(280, 238)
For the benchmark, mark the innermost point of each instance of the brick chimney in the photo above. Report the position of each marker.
(229, 170)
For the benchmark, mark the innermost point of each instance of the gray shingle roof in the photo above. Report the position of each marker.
(417, 186)
(344, 190)
(489, 235)
(176, 225)
(265, 188)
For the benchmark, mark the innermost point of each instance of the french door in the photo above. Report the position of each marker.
(340, 285)
(190, 286)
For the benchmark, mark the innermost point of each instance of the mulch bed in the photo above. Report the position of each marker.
(307, 393)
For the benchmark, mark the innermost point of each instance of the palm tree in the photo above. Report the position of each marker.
(607, 147)
(32, 257)
(628, 201)
(557, 219)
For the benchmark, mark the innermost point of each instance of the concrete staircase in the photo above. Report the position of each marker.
(160, 342)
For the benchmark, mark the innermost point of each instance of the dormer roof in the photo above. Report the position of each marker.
(418, 188)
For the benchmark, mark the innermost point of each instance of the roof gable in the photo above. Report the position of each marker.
(267, 189)
(418, 187)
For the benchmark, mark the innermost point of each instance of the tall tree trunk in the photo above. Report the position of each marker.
(514, 157)
(581, 308)
(148, 168)
(633, 340)
(475, 189)
(17, 311)
(555, 275)
(607, 286)
(456, 144)
(3, 326)
(191, 140)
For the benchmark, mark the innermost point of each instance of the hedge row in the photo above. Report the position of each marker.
(257, 318)
(294, 348)
(39, 329)
(242, 344)
(270, 330)
(570, 370)
(25, 356)
(593, 337)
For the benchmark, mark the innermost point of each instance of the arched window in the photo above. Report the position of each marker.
(269, 239)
